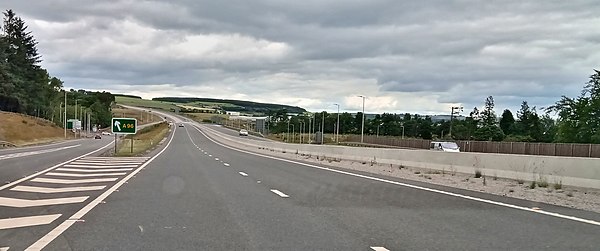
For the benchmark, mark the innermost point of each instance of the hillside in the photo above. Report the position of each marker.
(24, 130)
(233, 105)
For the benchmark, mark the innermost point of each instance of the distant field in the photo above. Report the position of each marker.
(24, 130)
(202, 116)
(142, 117)
(145, 103)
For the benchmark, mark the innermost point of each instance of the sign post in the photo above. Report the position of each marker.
(124, 126)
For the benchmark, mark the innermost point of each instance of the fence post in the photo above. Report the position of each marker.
(555, 149)
(589, 150)
(571, 149)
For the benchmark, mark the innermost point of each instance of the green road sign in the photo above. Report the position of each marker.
(124, 125)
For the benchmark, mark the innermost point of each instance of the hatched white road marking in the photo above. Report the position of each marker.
(12, 202)
(27, 221)
(63, 181)
(380, 249)
(84, 174)
(105, 163)
(4, 248)
(93, 170)
(245, 174)
(35, 189)
(275, 191)
(95, 166)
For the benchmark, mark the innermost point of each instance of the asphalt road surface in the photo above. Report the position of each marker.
(199, 195)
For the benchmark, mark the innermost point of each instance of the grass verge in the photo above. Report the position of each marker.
(143, 141)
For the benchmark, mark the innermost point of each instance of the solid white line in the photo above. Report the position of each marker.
(105, 163)
(92, 166)
(275, 191)
(12, 202)
(62, 181)
(35, 189)
(50, 168)
(23, 154)
(573, 218)
(85, 174)
(27, 221)
(46, 239)
(245, 174)
(39, 146)
(92, 170)
(380, 249)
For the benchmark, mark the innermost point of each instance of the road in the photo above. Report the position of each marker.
(199, 195)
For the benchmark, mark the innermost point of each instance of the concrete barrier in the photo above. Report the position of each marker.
(572, 171)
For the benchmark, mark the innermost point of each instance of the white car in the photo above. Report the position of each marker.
(105, 133)
(243, 132)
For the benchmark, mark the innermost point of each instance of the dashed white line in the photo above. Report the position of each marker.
(63, 181)
(26, 222)
(380, 249)
(210, 155)
(217, 159)
(245, 174)
(275, 191)
(35, 189)
(84, 174)
(226, 164)
(12, 202)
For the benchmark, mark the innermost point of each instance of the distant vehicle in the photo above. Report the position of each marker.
(243, 132)
(97, 136)
(180, 125)
(444, 146)
(105, 133)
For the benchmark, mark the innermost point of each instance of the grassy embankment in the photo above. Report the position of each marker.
(144, 140)
(23, 130)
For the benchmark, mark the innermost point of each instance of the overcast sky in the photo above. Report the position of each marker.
(405, 56)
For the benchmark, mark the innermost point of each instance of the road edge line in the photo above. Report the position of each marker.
(54, 233)
(16, 182)
(497, 203)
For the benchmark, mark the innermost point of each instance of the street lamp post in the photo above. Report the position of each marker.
(362, 130)
(337, 126)
(380, 124)
(402, 125)
(300, 130)
(288, 132)
(293, 134)
(65, 116)
(309, 127)
(455, 110)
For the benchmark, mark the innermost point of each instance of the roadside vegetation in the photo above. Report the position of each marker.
(17, 129)
(143, 141)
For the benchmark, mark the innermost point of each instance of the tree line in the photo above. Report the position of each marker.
(577, 121)
(26, 87)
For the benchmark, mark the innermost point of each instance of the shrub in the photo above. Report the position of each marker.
(532, 185)
(558, 185)
(477, 174)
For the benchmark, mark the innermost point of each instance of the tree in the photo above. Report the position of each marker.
(507, 122)
(579, 118)
(489, 129)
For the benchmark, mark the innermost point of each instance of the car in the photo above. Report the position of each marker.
(444, 146)
(243, 132)
(97, 136)
(180, 125)
(105, 133)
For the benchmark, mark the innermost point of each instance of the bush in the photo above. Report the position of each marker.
(478, 174)
(542, 183)
(558, 185)
(532, 185)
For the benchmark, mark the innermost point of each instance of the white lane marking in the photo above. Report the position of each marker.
(4, 248)
(380, 249)
(23, 154)
(62, 181)
(39, 146)
(245, 174)
(115, 158)
(12, 202)
(27, 221)
(52, 167)
(105, 163)
(50, 236)
(226, 164)
(210, 155)
(275, 191)
(34, 189)
(497, 203)
(217, 159)
(93, 166)
(93, 170)
(84, 174)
